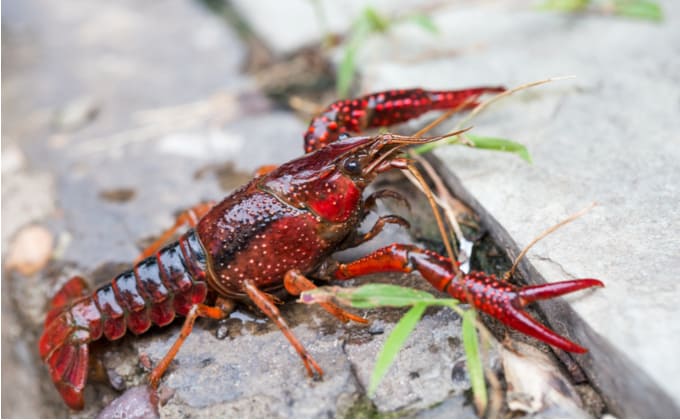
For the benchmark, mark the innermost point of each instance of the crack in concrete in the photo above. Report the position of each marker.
(559, 266)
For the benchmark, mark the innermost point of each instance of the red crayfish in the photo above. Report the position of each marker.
(271, 234)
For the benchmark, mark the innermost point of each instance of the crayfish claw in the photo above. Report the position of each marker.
(516, 318)
(530, 294)
(496, 297)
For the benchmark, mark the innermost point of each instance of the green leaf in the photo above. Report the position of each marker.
(394, 343)
(565, 5)
(346, 72)
(474, 363)
(502, 145)
(428, 147)
(376, 22)
(375, 295)
(640, 9)
(489, 143)
(360, 31)
(424, 22)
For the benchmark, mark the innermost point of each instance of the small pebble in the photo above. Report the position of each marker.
(165, 393)
(139, 402)
(116, 381)
(76, 114)
(12, 159)
(30, 250)
(377, 327)
(222, 331)
(459, 372)
(145, 361)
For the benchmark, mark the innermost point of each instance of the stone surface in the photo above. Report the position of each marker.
(115, 117)
(610, 136)
(77, 78)
(120, 115)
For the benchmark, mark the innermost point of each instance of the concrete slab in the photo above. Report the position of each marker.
(610, 136)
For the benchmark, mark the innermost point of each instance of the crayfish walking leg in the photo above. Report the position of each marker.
(221, 310)
(486, 293)
(267, 304)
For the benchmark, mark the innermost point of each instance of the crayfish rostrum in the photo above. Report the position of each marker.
(276, 232)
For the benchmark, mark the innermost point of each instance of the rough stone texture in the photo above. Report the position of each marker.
(609, 136)
(270, 381)
(115, 116)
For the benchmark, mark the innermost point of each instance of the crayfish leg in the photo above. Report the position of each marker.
(222, 309)
(266, 304)
(296, 283)
(264, 170)
(189, 217)
(359, 238)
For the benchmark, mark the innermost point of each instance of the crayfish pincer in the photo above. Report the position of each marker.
(276, 232)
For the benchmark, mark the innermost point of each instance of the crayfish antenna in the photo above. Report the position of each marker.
(420, 139)
(542, 235)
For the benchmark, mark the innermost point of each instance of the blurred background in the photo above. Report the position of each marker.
(117, 115)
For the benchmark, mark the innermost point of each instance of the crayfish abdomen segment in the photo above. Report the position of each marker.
(152, 292)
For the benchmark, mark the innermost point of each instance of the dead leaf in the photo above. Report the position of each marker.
(535, 383)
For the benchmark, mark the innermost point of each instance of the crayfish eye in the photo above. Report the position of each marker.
(352, 166)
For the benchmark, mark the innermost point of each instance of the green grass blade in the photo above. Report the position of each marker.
(428, 147)
(360, 31)
(394, 343)
(346, 72)
(501, 145)
(376, 22)
(376, 295)
(564, 5)
(424, 22)
(474, 362)
(488, 143)
(639, 9)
